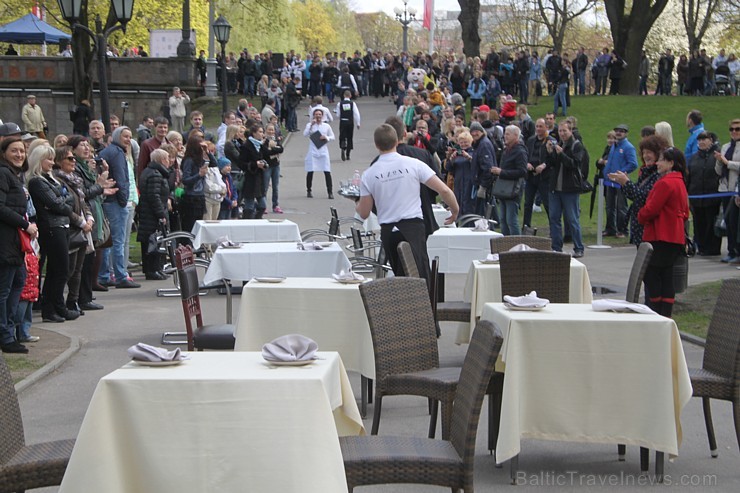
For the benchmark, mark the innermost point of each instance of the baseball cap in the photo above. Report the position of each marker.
(622, 126)
(8, 129)
(28, 136)
(484, 107)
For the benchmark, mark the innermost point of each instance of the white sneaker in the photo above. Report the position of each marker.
(536, 208)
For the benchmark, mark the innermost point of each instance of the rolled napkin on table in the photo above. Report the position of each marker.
(480, 225)
(521, 247)
(348, 276)
(611, 305)
(309, 245)
(527, 301)
(224, 241)
(291, 347)
(145, 352)
(492, 257)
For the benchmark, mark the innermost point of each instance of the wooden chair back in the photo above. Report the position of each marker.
(189, 287)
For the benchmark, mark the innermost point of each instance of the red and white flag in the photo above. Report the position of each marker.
(36, 10)
(428, 14)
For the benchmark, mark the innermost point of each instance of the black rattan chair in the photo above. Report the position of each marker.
(25, 467)
(506, 243)
(405, 346)
(390, 460)
(546, 272)
(719, 375)
(637, 274)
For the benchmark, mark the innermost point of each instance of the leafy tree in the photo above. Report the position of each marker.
(313, 26)
(379, 31)
(630, 25)
(558, 16)
(697, 15)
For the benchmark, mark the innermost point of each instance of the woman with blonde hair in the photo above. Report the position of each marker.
(664, 130)
(60, 141)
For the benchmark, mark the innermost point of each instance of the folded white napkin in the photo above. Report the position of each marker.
(309, 245)
(348, 276)
(492, 257)
(611, 305)
(145, 352)
(480, 225)
(224, 241)
(527, 301)
(521, 247)
(291, 347)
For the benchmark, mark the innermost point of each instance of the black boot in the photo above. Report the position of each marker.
(248, 214)
(259, 213)
(74, 306)
(329, 185)
(344, 156)
(666, 309)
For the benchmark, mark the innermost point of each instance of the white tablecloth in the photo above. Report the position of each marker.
(484, 286)
(275, 259)
(222, 422)
(440, 214)
(574, 374)
(245, 230)
(330, 313)
(458, 247)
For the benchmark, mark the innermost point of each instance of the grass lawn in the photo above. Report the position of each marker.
(694, 308)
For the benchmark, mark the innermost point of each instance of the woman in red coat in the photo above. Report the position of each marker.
(664, 217)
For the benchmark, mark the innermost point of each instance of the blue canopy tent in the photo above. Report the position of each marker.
(31, 30)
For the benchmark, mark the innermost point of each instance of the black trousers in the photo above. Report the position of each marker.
(659, 277)
(327, 179)
(346, 132)
(413, 231)
(192, 208)
(85, 294)
(54, 243)
(706, 241)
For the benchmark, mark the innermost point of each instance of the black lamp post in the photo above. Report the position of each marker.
(405, 17)
(123, 10)
(221, 30)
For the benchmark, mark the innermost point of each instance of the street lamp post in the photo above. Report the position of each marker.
(221, 30)
(405, 17)
(123, 10)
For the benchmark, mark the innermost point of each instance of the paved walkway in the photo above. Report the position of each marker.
(54, 407)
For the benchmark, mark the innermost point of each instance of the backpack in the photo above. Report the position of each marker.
(586, 185)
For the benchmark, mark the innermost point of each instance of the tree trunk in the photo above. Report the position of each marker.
(629, 32)
(82, 55)
(469, 11)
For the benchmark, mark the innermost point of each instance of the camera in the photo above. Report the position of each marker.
(98, 164)
(124, 104)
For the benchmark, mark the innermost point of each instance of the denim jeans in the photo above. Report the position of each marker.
(272, 173)
(23, 320)
(565, 205)
(667, 83)
(113, 256)
(12, 280)
(329, 90)
(131, 209)
(249, 85)
(292, 119)
(616, 211)
(509, 216)
(581, 82)
(561, 99)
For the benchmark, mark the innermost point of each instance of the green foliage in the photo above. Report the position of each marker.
(312, 25)
(693, 309)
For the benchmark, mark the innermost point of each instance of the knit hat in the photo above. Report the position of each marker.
(484, 108)
(223, 162)
(476, 126)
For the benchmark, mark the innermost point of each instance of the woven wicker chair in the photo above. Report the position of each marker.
(24, 467)
(406, 256)
(506, 243)
(217, 336)
(546, 272)
(405, 345)
(637, 274)
(719, 375)
(446, 311)
(389, 460)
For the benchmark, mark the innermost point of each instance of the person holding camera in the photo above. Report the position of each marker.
(178, 112)
(459, 163)
(700, 180)
(195, 165)
(252, 162)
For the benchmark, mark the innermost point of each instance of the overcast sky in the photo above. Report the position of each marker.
(388, 5)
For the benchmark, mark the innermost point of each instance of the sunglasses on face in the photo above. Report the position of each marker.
(734, 129)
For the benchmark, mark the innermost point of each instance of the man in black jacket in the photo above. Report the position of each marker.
(538, 173)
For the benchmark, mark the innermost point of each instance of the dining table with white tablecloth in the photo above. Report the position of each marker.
(329, 312)
(483, 285)
(220, 421)
(245, 231)
(579, 375)
(284, 259)
(458, 247)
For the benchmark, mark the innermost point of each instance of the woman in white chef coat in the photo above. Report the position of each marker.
(317, 158)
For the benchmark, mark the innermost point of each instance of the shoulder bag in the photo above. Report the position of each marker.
(507, 189)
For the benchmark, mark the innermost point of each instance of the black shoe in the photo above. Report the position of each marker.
(309, 194)
(91, 306)
(577, 253)
(331, 196)
(99, 287)
(344, 156)
(109, 283)
(127, 283)
(52, 318)
(71, 314)
(14, 347)
(75, 308)
(154, 276)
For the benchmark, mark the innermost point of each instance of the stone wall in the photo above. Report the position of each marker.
(144, 83)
